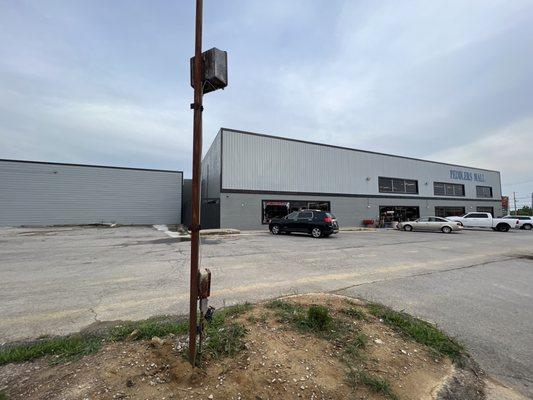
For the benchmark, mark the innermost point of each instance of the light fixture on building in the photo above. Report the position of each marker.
(368, 178)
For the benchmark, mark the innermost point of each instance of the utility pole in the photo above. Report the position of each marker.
(514, 201)
(196, 171)
(209, 72)
(532, 203)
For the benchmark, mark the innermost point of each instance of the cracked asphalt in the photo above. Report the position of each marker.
(476, 285)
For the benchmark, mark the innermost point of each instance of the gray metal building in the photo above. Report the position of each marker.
(42, 193)
(248, 178)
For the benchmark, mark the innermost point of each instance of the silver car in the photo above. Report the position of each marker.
(435, 224)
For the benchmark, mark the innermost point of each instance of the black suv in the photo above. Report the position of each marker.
(315, 222)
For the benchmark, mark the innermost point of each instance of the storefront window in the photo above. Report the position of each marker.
(280, 208)
(398, 213)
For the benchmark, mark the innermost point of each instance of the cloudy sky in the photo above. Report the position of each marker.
(107, 82)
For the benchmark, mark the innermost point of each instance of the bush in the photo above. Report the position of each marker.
(318, 317)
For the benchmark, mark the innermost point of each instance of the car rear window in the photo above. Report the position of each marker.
(305, 215)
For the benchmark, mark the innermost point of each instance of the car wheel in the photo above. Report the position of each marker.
(527, 227)
(446, 229)
(316, 232)
(503, 227)
(275, 230)
(407, 228)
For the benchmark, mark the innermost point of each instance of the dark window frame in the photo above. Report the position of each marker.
(482, 196)
(484, 209)
(458, 210)
(445, 186)
(394, 183)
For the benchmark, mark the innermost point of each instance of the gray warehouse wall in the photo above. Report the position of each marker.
(243, 210)
(33, 193)
(264, 163)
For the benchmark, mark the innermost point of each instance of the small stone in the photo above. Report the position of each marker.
(134, 335)
(378, 341)
(210, 396)
(157, 341)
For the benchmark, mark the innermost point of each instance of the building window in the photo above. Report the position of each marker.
(280, 208)
(489, 210)
(397, 185)
(387, 214)
(448, 189)
(484, 191)
(449, 211)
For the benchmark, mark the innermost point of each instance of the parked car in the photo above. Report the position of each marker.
(315, 222)
(485, 220)
(435, 224)
(524, 221)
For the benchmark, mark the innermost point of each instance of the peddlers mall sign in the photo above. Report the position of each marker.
(467, 176)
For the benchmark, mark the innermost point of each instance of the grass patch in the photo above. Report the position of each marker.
(261, 318)
(354, 312)
(420, 331)
(314, 319)
(63, 348)
(375, 383)
(318, 318)
(352, 349)
(3, 396)
(223, 337)
(148, 329)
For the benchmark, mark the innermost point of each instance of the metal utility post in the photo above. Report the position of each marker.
(196, 171)
(514, 201)
(209, 72)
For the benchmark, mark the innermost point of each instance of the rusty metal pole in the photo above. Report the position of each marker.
(196, 172)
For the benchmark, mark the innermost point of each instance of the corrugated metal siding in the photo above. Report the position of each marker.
(211, 170)
(252, 162)
(54, 194)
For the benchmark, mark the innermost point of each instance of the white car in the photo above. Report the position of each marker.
(524, 221)
(485, 220)
(436, 224)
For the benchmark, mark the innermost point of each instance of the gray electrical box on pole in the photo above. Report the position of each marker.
(215, 70)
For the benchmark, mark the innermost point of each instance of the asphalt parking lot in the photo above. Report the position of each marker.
(476, 285)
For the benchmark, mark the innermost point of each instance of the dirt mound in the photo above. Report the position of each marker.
(287, 352)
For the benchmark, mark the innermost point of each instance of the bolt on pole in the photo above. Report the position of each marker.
(196, 172)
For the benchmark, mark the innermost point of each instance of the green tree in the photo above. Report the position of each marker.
(526, 210)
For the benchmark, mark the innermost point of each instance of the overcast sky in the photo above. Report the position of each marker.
(107, 82)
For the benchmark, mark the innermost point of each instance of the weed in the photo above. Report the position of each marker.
(262, 318)
(354, 312)
(63, 348)
(224, 341)
(421, 331)
(3, 396)
(148, 329)
(352, 348)
(224, 338)
(233, 311)
(318, 318)
(313, 319)
(280, 305)
(375, 383)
